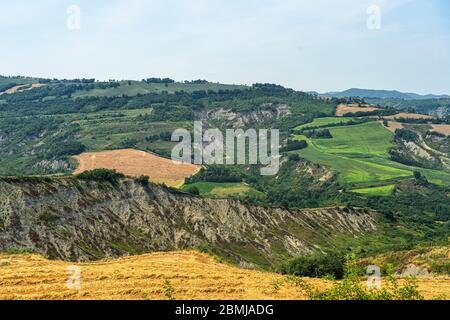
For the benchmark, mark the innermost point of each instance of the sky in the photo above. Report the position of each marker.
(308, 45)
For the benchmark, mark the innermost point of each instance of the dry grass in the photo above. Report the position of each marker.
(22, 88)
(406, 115)
(441, 128)
(225, 192)
(135, 163)
(342, 109)
(192, 275)
(393, 126)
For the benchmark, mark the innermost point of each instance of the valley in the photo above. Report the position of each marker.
(86, 180)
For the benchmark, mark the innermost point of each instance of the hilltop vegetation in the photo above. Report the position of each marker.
(41, 128)
(434, 106)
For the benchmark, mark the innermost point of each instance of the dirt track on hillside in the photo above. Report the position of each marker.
(22, 88)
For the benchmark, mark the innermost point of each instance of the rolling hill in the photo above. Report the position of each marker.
(339, 187)
(382, 94)
(189, 276)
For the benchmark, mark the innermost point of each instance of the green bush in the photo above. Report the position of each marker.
(101, 175)
(169, 290)
(352, 287)
(294, 145)
(144, 180)
(47, 217)
(193, 190)
(294, 157)
(316, 266)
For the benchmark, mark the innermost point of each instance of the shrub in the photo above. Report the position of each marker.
(101, 175)
(320, 265)
(351, 287)
(421, 179)
(47, 217)
(169, 290)
(144, 180)
(294, 157)
(319, 134)
(406, 135)
(294, 145)
(193, 190)
(215, 173)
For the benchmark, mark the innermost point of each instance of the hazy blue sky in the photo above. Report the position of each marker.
(321, 45)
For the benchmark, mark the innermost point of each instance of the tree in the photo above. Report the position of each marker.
(193, 190)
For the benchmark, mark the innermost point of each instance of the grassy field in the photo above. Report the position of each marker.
(360, 155)
(221, 190)
(158, 276)
(439, 177)
(353, 171)
(320, 122)
(383, 191)
(138, 87)
(360, 140)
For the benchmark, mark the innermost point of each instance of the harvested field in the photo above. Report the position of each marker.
(406, 115)
(343, 109)
(22, 88)
(192, 275)
(393, 126)
(135, 163)
(441, 128)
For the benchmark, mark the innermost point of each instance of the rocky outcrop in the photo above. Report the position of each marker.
(69, 219)
(412, 149)
(230, 119)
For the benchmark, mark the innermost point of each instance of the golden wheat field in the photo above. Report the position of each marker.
(393, 126)
(441, 128)
(191, 275)
(135, 163)
(406, 115)
(343, 109)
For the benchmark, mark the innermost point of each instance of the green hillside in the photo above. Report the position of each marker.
(345, 162)
(358, 141)
(383, 191)
(360, 155)
(323, 122)
(220, 190)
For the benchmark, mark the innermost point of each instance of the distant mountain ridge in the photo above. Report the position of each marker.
(382, 94)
